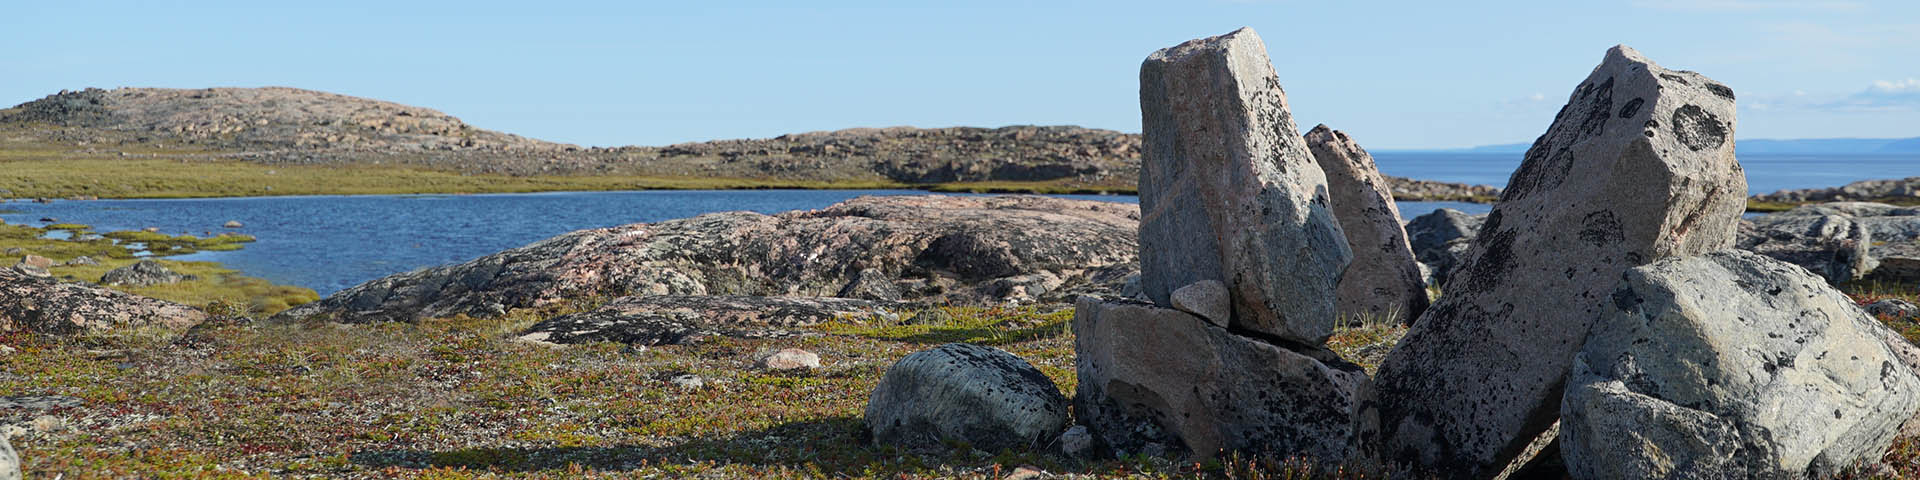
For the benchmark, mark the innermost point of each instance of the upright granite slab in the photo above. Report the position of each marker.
(1638, 166)
(1229, 192)
(1384, 280)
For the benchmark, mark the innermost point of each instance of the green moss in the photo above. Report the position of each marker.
(69, 226)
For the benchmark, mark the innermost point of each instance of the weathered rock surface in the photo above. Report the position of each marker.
(1229, 192)
(36, 261)
(1383, 282)
(42, 305)
(681, 319)
(1893, 251)
(1731, 365)
(1834, 246)
(9, 459)
(143, 273)
(932, 248)
(1638, 166)
(1415, 190)
(965, 393)
(1157, 378)
(1893, 308)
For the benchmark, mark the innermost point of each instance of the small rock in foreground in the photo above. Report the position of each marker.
(964, 393)
(1893, 308)
(789, 359)
(142, 274)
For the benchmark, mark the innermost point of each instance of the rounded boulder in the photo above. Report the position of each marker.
(968, 394)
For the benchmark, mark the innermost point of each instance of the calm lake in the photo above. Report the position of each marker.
(329, 243)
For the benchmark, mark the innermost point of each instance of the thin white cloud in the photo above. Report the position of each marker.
(1880, 96)
(1748, 5)
(1910, 85)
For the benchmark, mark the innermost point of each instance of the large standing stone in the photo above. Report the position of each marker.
(958, 392)
(1731, 365)
(1384, 280)
(1229, 192)
(1158, 378)
(1638, 166)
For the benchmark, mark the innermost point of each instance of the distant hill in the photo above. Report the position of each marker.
(278, 125)
(1837, 146)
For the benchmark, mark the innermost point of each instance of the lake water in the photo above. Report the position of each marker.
(328, 243)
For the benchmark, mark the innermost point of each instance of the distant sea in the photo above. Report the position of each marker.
(1766, 173)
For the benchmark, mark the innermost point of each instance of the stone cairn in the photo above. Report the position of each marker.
(1600, 294)
(1241, 255)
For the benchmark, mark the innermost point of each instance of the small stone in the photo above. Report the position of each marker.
(789, 359)
(1893, 308)
(233, 224)
(688, 382)
(36, 261)
(1076, 442)
(82, 260)
(16, 251)
(47, 424)
(1027, 472)
(144, 273)
(151, 229)
(931, 316)
(1206, 299)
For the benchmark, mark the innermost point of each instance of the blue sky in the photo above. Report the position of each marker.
(1393, 74)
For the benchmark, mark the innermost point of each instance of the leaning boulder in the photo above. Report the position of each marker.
(39, 304)
(144, 273)
(1384, 280)
(1833, 246)
(966, 394)
(1731, 365)
(681, 319)
(1638, 166)
(1229, 192)
(1159, 379)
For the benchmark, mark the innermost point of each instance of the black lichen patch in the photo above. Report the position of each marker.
(1698, 129)
(1601, 229)
(1632, 108)
(1721, 90)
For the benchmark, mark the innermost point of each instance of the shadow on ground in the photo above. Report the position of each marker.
(836, 446)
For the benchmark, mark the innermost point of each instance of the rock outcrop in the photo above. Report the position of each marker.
(1907, 189)
(1833, 246)
(1415, 190)
(681, 319)
(143, 273)
(961, 393)
(1638, 166)
(1154, 379)
(1383, 282)
(41, 305)
(1229, 192)
(1232, 202)
(932, 249)
(1731, 365)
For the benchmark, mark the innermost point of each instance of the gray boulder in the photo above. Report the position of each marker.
(1207, 299)
(1731, 365)
(1638, 166)
(1833, 246)
(965, 393)
(1155, 379)
(1440, 240)
(144, 273)
(1384, 280)
(9, 460)
(34, 303)
(1229, 191)
(1893, 308)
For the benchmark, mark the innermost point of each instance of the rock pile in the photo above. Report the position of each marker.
(1842, 241)
(1638, 166)
(1231, 201)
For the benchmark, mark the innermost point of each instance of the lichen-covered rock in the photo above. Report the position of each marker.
(1206, 299)
(1638, 166)
(968, 394)
(9, 459)
(1892, 308)
(141, 274)
(1892, 253)
(1731, 365)
(1834, 246)
(1383, 282)
(1229, 191)
(1440, 241)
(933, 249)
(42, 305)
(1152, 378)
(680, 319)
